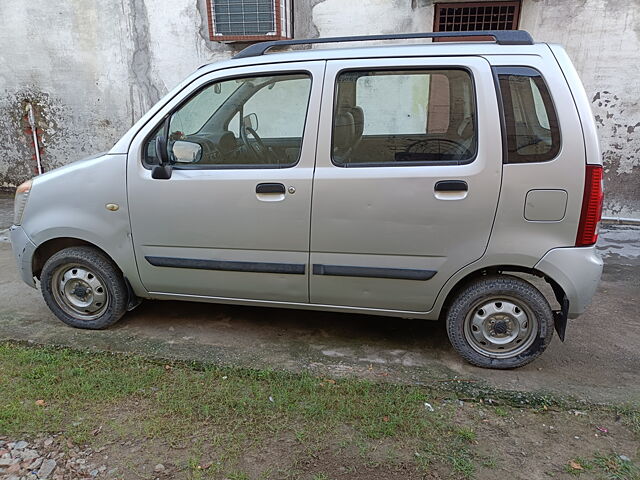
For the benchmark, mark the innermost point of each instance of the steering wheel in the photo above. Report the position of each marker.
(438, 145)
(259, 150)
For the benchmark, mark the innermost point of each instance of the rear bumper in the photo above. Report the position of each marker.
(577, 271)
(23, 249)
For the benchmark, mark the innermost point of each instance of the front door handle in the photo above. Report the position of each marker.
(270, 188)
(451, 186)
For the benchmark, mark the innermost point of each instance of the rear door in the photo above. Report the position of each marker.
(407, 179)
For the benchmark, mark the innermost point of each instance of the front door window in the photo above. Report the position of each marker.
(248, 122)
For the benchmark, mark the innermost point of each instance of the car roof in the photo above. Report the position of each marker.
(381, 51)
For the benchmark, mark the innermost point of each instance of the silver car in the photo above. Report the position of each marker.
(427, 181)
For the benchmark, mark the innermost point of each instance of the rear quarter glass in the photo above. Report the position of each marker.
(531, 123)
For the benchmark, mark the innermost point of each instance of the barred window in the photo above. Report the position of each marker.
(249, 20)
(470, 16)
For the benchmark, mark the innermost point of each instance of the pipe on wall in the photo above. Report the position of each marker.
(622, 220)
(34, 132)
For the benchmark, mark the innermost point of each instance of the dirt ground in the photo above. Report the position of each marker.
(599, 361)
(123, 417)
(519, 444)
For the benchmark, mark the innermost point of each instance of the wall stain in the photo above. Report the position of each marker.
(64, 135)
(421, 3)
(17, 141)
(620, 144)
(144, 93)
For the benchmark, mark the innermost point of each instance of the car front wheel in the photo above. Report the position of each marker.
(84, 288)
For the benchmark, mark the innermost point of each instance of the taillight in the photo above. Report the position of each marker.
(591, 207)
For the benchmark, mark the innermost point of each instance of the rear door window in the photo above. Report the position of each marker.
(531, 122)
(404, 118)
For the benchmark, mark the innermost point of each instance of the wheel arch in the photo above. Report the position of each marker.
(47, 249)
(558, 292)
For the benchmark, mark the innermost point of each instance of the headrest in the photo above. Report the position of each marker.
(465, 129)
(344, 129)
(358, 117)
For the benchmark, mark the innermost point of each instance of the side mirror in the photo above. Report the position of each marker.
(163, 170)
(161, 151)
(250, 121)
(186, 152)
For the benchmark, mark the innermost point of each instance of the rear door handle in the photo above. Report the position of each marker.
(451, 186)
(270, 188)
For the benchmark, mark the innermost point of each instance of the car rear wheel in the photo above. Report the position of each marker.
(83, 288)
(500, 322)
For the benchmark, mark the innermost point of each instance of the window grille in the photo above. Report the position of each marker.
(469, 16)
(249, 20)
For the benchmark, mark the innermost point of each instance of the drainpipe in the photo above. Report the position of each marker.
(36, 146)
(622, 220)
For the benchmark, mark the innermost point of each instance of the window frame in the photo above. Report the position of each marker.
(166, 119)
(498, 70)
(282, 20)
(517, 4)
(423, 163)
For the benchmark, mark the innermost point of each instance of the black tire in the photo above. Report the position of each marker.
(490, 289)
(111, 286)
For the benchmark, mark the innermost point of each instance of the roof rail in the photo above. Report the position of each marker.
(503, 37)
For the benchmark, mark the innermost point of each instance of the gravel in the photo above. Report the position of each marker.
(48, 458)
(47, 468)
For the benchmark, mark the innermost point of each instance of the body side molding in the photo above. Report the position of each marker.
(225, 265)
(373, 272)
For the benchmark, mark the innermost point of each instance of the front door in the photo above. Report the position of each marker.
(407, 180)
(233, 219)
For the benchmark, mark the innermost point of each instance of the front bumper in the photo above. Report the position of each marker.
(577, 270)
(23, 249)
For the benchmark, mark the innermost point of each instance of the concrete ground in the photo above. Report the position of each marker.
(598, 362)
(6, 212)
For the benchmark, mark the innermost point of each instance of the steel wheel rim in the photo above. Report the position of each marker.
(500, 327)
(79, 292)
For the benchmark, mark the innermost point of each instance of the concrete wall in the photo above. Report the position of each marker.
(92, 67)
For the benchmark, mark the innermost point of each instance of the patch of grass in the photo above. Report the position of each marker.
(466, 434)
(489, 395)
(501, 411)
(44, 385)
(617, 469)
(229, 410)
(489, 462)
(612, 466)
(216, 415)
(238, 476)
(463, 464)
(630, 415)
(578, 466)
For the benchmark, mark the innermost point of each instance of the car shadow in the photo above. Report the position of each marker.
(206, 322)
